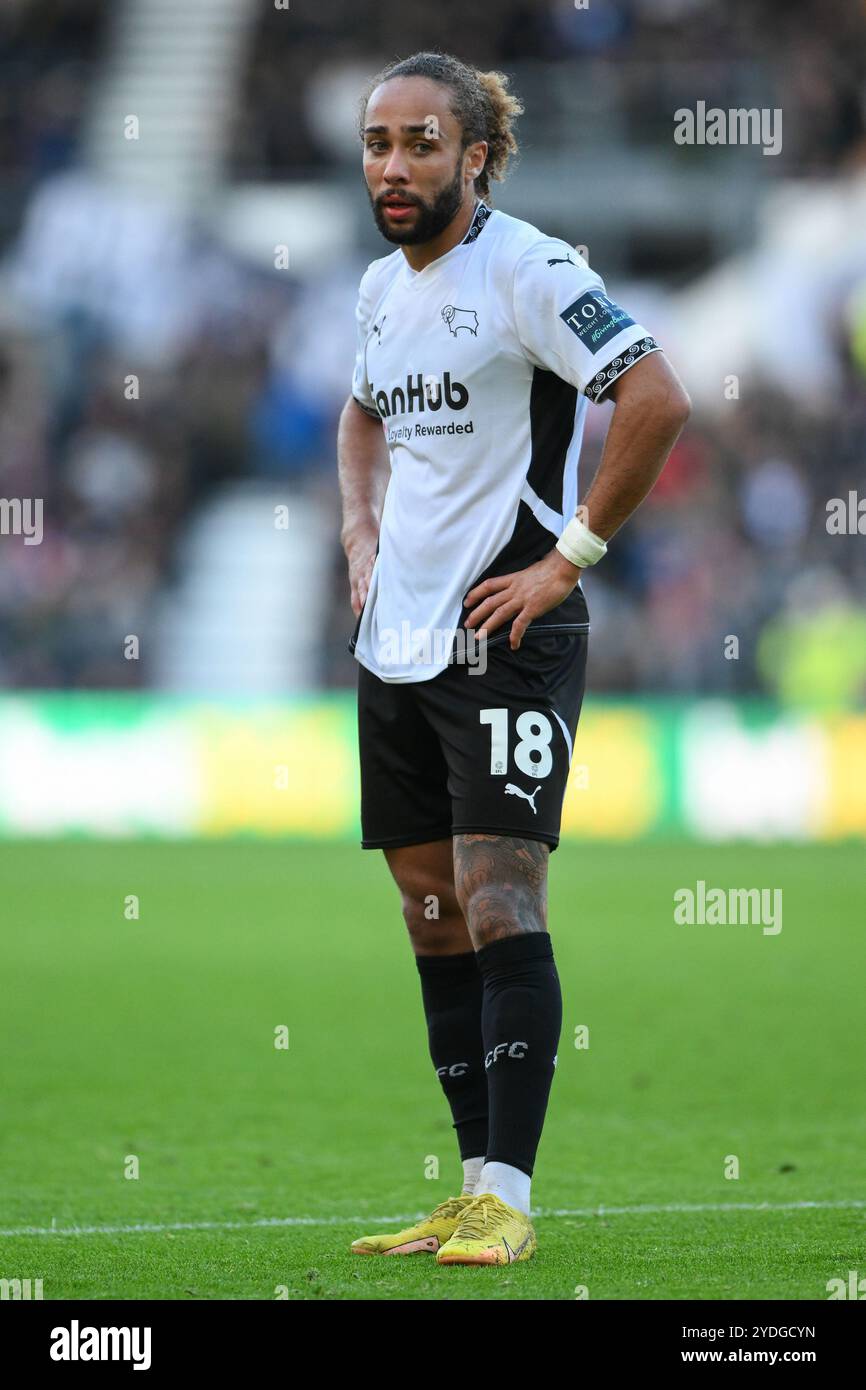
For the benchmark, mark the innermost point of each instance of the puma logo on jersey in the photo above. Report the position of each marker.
(511, 790)
(460, 318)
(561, 260)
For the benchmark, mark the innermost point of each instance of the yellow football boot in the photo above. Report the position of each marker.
(426, 1237)
(489, 1232)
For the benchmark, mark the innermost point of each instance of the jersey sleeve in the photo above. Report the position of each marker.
(568, 325)
(363, 312)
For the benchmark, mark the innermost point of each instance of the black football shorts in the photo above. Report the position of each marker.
(467, 751)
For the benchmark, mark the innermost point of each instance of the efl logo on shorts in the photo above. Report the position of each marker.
(594, 319)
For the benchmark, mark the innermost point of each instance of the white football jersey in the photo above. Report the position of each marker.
(480, 367)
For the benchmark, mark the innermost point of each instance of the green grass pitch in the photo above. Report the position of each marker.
(155, 1038)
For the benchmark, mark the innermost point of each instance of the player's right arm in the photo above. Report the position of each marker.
(362, 465)
(362, 455)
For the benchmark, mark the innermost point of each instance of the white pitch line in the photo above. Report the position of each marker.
(649, 1208)
(263, 1223)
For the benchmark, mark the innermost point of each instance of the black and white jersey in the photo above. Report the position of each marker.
(480, 367)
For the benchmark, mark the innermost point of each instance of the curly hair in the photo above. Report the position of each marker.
(480, 101)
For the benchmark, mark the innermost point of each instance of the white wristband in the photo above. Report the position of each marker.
(579, 545)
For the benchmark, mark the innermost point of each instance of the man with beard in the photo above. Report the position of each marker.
(481, 342)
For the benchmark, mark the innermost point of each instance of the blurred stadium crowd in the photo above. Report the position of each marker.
(732, 541)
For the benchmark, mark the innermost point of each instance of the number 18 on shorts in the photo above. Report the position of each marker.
(472, 752)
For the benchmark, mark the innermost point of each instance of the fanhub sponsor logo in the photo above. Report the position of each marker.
(76, 1343)
(401, 432)
(729, 907)
(423, 391)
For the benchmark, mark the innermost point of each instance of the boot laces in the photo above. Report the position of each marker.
(475, 1224)
(452, 1207)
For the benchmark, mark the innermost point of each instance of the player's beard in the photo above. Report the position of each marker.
(432, 217)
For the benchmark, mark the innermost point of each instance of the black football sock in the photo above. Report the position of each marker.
(521, 1020)
(452, 990)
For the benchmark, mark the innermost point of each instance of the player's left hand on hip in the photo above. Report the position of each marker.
(521, 596)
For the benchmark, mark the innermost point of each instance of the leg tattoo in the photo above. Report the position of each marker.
(501, 885)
